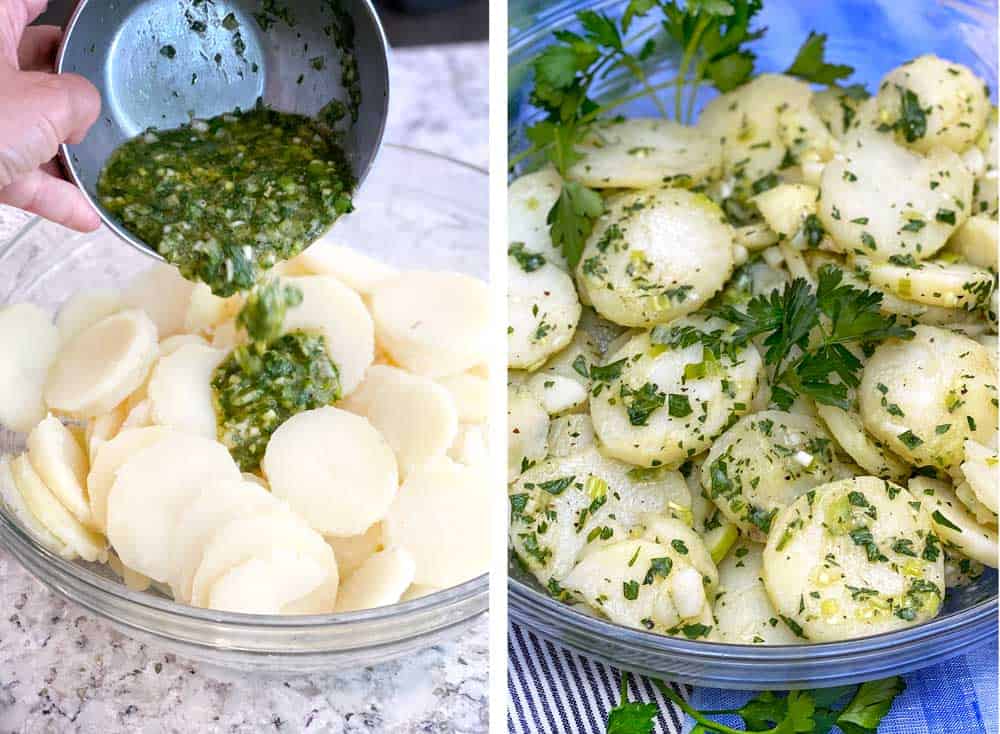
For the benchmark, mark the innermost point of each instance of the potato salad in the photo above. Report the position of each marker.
(752, 361)
(317, 445)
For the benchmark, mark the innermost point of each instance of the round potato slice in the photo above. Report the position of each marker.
(684, 541)
(570, 433)
(976, 241)
(529, 200)
(216, 504)
(924, 397)
(268, 535)
(28, 345)
(763, 463)
(172, 343)
(434, 324)
(527, 430)
(471, 395)
(867, 452)
(103, 428)
(656, 255)
(884, 201)
(180, 390)
(667, 396)
(645, 585)
(62, 464)
(954, 524)
(566, 505)
(442, 518)
(952, 97)
(743, 611)
(334, 468)
(163, 294)
(786, 207)
(85, 308)
(414, 414)
(639, 153)
(542, 313)
(99, 367)
(351, 552)
(267, 585)
(151, 490)
(469, 446)
(381, 580)
(141, 416)
(332, 309)
(935, 283)
(51, 514)
(980, 470)
(853, 558)
(206, 310)
(11, 498)
(983, 514)
(354, 269)
(108, 459)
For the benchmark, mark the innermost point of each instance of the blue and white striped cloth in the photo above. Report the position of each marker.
(555, 691)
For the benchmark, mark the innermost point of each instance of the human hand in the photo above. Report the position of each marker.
(38, 111)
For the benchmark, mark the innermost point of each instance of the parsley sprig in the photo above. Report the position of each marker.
(805, 350)
(819, 711)
(710, 37)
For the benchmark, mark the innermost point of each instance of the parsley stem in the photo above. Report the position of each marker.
(709, 725)
(682, 70)
(624, 687)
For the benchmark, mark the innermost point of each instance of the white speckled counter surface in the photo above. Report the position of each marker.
(61, 670)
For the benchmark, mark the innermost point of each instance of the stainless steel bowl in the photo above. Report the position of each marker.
(159, 63)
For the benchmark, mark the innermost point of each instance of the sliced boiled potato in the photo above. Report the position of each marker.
(529, 200)
(62, 464)
(272, 533)
(150, 491)
(685, 542)
(442, 519)
(433, 323)
(163, 294)
(267, 585)
(884, 201)
(12, 499)
(976, 241)
(85, 308)
(952, 97)
(103, 428)
(954, 525)
(206, 310)
(51, 514)
(352, 551)
(570, 433)
(28, 344)
(107, 460)
(332, 309)
(415, 415)
(668, 397)
(132, 579)
(786, 206)
(557, 393)
(924, 397)
(172, 343)
(99, 367)
(638, 153)
(542, 313)
(213, 506)
(351, 267)
(838, 108)
(656, 255)
(226, 336)
(381, 580)
(471, 395)
(983, 514)
(334, 468)
(980, 470)
(961, 571)
(645, 585)
(140, 416)
(743, 611)
(763, 463)
(566, 505)
(853, 558)
(849, 431)
(418, 591)
(180, 390)
(527, 430)
(470, 445)
(936, 283)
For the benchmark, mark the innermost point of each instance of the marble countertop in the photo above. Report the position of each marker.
(62, 670)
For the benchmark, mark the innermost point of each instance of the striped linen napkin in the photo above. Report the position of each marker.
(555, 691)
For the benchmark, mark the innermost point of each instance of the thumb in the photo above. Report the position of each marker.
(47, 196)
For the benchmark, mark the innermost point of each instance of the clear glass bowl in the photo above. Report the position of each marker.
(873, 36)
(416, 209)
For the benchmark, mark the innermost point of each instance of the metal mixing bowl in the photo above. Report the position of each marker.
(160, 63)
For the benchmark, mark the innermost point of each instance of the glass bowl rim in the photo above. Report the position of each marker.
(11, 532)
(523, 594)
